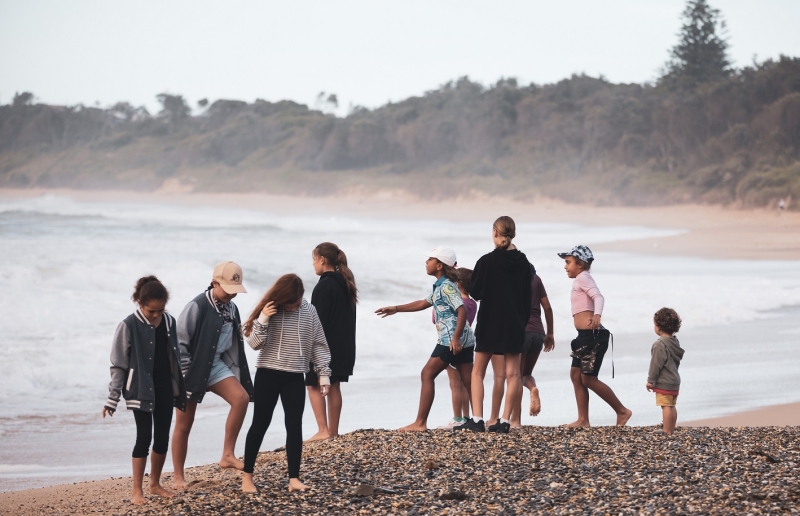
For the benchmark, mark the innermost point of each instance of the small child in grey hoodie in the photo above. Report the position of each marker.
(665, 357)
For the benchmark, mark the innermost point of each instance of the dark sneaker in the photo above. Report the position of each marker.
(500, 428)
(471, 425)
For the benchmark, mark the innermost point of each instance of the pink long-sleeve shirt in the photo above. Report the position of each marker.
(585, 295)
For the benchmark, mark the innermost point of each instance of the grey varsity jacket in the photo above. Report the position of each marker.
(198, 335)
(132, 355)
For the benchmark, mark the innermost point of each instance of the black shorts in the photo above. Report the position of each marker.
(312, 380)
(464, 356)
(595, 341)
(534, 343)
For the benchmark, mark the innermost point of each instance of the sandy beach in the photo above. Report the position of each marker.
(711, 231)
(775, 415)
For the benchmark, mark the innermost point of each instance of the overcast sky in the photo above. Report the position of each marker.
(368, 52)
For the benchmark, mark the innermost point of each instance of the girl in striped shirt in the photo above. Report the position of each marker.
(288, 333)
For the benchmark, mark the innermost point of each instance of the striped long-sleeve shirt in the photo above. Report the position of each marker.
(290, 340)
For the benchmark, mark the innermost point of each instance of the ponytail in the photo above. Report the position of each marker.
(507, 230)
(149, 288)
(450, 273)
(338, 260)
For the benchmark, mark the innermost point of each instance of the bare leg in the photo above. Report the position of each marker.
(465, 377)
(581, 398)
(514, 380)
(607, 395)
(232, 391)
(156, 466)
(527, 363)
(334, 408)
(456, 388)
(428, 375)
(482, 359)
(180, 443)
(465, 397)
(137, 496)
(319, 406)
(248, 486)
(296, 485)
(670, 415)
(498, 388)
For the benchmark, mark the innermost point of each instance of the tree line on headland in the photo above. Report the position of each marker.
(703, 132)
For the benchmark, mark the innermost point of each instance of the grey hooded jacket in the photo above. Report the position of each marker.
(132, 355)
(665, 357)
(198, 335)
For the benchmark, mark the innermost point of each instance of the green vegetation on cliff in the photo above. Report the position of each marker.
(704, 132)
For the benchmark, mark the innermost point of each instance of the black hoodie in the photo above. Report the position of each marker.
(501, 281)
(338, 317)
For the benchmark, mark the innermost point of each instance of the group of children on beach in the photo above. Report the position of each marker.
(159, 362)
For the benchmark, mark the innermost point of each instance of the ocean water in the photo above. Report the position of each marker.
(67, 269)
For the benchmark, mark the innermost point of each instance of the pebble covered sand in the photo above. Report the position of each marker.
(536, 470)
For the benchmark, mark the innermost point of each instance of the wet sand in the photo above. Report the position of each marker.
(711, 231)
(776, 415)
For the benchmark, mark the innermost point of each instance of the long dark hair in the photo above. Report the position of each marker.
(149, 288)
(287, 291)
(450, 273)
(338, 260)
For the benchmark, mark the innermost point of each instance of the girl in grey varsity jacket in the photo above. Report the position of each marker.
(145, 370)
(288, 333)
(213, 359)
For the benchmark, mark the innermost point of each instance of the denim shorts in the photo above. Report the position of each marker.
(219, 371)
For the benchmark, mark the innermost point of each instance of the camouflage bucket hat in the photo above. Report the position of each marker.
(581, 252)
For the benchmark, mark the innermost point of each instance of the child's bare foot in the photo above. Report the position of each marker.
(536, 403)
(230, 462)
(413, 427)
(137, 498)
(623, 417)
(578, 424)
(248, 486)
(159, 490)
(296, 485)
(319, 436)
(179, 483)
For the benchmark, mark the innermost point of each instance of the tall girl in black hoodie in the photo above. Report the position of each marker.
(335, 298)
(501, 281)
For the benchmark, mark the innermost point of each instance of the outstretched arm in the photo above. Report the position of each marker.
(414, 306)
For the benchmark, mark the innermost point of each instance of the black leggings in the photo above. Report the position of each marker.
(268, 386)
(154, 425)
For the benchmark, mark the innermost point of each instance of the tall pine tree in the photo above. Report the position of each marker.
(701, 54)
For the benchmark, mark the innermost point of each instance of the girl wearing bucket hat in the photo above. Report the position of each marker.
(591, 344)
(213, 359)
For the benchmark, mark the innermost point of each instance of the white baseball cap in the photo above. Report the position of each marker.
(444, 254)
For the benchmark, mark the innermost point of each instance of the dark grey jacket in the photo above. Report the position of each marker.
(132, 354)
(198, 335)
(665, 357)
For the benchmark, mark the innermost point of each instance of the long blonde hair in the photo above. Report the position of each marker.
(507, 230)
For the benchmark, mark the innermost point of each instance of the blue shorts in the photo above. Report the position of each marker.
(219, 371)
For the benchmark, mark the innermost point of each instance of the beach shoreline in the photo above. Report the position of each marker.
(710, 231)
(544, 469)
